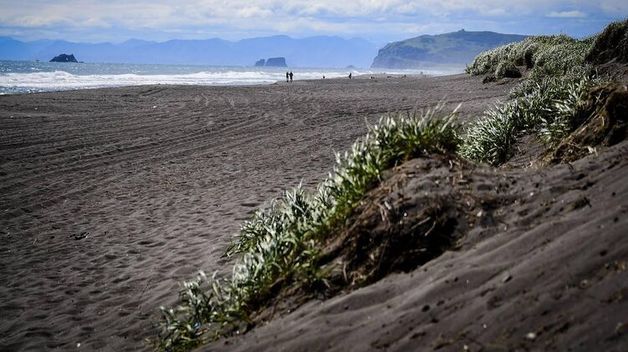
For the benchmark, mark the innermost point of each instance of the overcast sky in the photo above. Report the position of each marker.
(376, 20)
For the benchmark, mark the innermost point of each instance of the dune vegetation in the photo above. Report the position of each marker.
(558, 78)
(542, 55)
(546, 107)
(280, 246)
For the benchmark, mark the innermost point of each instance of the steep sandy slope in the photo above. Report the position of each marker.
(543, 267)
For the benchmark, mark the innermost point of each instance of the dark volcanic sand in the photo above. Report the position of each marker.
(546, 271)
(109, 198)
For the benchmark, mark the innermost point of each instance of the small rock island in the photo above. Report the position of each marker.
(64, 58)
(276, 62)
(272, 62)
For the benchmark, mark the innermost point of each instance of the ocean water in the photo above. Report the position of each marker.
(32, 76)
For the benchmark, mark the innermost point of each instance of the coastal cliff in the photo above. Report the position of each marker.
(450, 48)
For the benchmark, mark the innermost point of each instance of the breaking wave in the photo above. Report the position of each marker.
(35, 80)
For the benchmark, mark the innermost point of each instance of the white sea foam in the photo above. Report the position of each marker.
(60, 80)
(16, 82)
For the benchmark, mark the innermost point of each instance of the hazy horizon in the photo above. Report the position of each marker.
(321, 33)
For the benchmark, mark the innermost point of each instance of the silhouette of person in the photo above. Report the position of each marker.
(287, 76)
(290, 76)
(349, 75)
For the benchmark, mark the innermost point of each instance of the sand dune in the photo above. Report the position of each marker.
(544, 268)
(110, 197)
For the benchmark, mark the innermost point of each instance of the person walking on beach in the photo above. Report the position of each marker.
(350, 75)
(287, 76)
(290, 76)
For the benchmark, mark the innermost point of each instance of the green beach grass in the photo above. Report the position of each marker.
(545, 107)
(279, 245)
(543, 55)
(544, 104)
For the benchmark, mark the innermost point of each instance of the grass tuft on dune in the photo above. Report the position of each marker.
(280, 245)
(546, 107)
(543, 55)
(548, 101)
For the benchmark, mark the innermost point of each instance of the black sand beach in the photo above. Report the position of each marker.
(110, 197)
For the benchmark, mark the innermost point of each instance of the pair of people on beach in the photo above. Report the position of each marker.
(289, 76)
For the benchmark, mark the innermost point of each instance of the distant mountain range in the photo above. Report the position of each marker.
(457, 48)
(320, 51)
(450, 48)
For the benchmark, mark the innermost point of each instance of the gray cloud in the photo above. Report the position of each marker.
(223, 18)
(567, 14)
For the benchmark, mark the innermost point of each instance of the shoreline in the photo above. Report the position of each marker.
(378, 75)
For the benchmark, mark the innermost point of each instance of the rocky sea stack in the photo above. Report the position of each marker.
(276, 62)
(64, 58)
(272, 62)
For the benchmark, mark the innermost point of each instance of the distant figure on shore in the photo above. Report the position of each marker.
(323, 76)
(287, 76)
(350, 75)
(291, 76)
